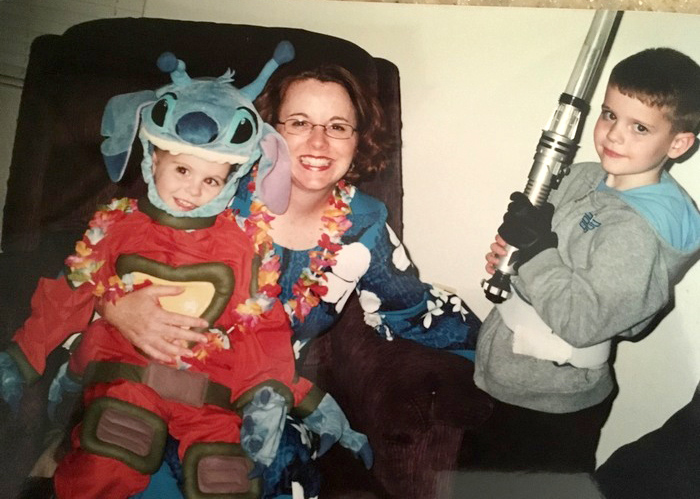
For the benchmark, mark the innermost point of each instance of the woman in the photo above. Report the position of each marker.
(332, 240)
(334, 128)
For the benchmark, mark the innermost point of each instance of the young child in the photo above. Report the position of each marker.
(597, 263)
(181, 233)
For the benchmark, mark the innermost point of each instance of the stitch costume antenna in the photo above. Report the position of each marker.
(133, 403)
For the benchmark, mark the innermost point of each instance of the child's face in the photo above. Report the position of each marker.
(185, 182)
(633, 140)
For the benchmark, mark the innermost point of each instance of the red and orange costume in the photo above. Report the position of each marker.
(250, 349)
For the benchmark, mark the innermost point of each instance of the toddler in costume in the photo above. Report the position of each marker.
(597, 263)
(200, 136)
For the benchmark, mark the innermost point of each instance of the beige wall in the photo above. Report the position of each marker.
(478, 84)
(9, 104)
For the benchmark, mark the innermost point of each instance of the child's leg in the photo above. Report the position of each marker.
(213, 461)
(518, 439)
(162, 485)
(84, 475)
(118, 444)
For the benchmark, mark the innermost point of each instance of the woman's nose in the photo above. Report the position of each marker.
(318, 136)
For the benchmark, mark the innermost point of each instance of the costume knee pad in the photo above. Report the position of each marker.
(218, 471)
(123, 431)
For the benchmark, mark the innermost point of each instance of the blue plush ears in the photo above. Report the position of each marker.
(120, 122)
(205, 117)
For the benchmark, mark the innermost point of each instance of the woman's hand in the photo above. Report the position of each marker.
(158, 333)
(493, 257)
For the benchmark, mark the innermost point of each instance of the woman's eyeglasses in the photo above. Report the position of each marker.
(295, 126)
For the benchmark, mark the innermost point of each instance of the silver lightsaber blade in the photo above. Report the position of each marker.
(559, 140)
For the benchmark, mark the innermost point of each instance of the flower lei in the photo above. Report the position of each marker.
(309, 287)
(87, 260)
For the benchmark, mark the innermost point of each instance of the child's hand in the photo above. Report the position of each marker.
(263, 424)
(11, 382)
(493, 257)
(62, 385)
(528, 228)
(329, 421)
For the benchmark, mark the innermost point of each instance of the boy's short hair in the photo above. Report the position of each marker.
(664, 78)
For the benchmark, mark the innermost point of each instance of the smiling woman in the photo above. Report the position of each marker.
(321, 153)
(319, 161)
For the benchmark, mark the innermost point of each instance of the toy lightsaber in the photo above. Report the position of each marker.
(559, 140)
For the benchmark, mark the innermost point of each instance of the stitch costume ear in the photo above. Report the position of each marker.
(274, 182)
(120, 122)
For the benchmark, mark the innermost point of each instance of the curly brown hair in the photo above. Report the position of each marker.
(374, 142)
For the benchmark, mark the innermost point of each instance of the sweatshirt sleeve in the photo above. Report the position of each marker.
(617, 291)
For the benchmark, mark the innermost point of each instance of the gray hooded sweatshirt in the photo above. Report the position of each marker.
(609, 276)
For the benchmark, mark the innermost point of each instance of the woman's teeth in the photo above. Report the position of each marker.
(313, 162)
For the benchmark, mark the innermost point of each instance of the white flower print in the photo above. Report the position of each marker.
(370, 303)
(297, 346)
(440, 293)
(457, 306)
(399, 257)
(352, 262)
(372, 319)
(434, 310)
(444, 300)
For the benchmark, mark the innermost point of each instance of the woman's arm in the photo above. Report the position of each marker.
(159, 333)
(396, 302)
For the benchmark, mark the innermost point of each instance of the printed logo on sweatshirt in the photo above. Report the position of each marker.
(588, 222)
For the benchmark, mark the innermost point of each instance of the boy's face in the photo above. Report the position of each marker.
(633, 140)
(185, 182)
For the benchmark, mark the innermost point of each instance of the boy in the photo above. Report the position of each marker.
(597, 263)
(179, 233)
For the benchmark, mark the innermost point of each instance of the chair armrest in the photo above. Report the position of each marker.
(413, 402)
(400, 374)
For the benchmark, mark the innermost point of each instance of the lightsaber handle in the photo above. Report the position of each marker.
(559, 141)
(552, 159)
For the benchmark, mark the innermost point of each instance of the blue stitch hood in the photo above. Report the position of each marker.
(204, 117)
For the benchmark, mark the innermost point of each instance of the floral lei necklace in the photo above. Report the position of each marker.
(309, 287)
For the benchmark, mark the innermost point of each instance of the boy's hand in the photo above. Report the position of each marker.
(527, 228)
(493, 257)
